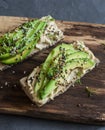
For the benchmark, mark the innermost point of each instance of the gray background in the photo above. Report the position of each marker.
(73, 10)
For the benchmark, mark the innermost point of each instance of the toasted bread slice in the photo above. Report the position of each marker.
(28, 83)
(45, 39)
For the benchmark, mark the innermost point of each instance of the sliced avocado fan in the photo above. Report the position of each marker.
(17, 45)
(57, 69)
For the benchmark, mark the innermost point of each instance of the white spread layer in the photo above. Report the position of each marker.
(70, 79)
(51, 35)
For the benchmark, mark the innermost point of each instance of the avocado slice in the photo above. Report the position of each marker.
(9, 38)
(85, 64)
(69, 54)
(51, 85)
(19, 57)
(53, 54)
(22, 42)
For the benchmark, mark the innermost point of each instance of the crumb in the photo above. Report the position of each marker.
(6, 83)
(1, 87)
(13, 72)
(15, 85)
(78, 105)
(24, 72)
(90, 91)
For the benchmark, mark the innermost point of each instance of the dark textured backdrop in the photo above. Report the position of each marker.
(73, 10)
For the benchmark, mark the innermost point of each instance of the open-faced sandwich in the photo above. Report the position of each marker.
(27, 39)
(65, 64)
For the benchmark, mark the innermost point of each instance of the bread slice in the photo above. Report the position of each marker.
(28, 82)
(45, 39)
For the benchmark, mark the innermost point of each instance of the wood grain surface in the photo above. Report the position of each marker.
(74, 105)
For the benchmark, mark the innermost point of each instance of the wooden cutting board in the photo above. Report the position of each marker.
(74, 105)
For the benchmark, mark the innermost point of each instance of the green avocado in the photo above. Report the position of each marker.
(53, 69)
(19, 57)
(69, 54)
(51, 57)
(29, 47)
(85, 64)
(20, 45)
(55, 52)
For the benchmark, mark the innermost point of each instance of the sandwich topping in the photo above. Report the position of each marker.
(63, 67)
(33, 35)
